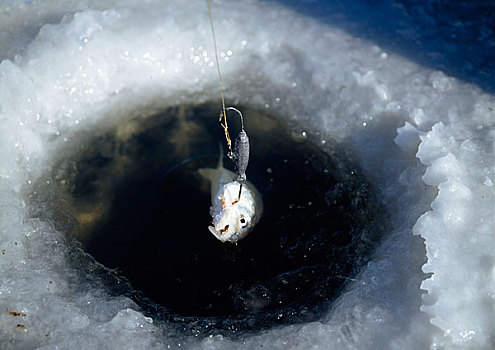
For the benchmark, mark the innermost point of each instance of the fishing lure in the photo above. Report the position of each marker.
(240, 155)
(236, 205)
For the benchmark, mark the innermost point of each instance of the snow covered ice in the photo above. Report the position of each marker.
(422, 136)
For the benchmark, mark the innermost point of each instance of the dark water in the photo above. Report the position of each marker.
(143, 210)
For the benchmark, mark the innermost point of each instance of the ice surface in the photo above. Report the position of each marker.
(424, 138)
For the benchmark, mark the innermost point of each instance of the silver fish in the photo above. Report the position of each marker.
(233, 216)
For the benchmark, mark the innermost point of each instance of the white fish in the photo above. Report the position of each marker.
(233, 217)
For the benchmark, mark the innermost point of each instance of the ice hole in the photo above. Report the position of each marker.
(133, 199)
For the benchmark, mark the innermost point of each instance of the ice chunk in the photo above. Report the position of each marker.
(458, 238)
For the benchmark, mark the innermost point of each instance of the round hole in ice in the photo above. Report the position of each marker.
(134, 200)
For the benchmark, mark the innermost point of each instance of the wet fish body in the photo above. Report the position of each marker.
(233, 216)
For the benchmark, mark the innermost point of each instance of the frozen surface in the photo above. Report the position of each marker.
(423, 138)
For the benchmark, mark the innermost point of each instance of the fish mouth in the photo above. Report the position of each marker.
(219, 234)
(219, 231)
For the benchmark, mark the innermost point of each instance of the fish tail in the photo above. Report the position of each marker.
(210, 173)
(207, 173)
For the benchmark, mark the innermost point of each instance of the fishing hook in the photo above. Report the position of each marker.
(240, 154)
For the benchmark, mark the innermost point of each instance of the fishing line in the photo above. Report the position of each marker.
(223, 114)
(240, 155)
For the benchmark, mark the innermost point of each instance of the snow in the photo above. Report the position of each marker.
(423, 137)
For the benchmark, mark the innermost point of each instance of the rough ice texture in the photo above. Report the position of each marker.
(423, 138)
(461, 258)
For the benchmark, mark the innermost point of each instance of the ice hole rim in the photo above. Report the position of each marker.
(118, 285)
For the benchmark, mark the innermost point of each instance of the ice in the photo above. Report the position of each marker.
(423, 137)
(463, 210)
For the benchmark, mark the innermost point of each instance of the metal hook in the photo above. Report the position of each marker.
(240, 190)
(238, 112)
(225, 127)
(240, 155)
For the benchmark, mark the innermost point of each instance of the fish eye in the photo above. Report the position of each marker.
(243, 222)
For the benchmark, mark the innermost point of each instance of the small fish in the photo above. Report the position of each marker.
(234, 215)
